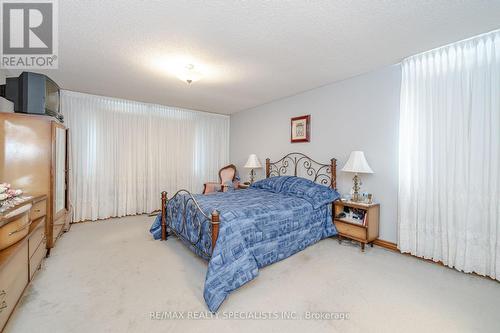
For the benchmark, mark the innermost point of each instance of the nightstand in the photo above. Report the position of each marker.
(364, 230)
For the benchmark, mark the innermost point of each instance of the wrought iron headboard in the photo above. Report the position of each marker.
(298, 164)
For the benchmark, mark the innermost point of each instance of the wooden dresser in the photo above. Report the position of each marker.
(33, 157)
(20, 261)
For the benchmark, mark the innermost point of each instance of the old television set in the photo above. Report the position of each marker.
(33, 93)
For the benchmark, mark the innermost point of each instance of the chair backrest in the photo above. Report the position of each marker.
(227, 174)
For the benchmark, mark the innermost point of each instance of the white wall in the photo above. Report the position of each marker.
(361, 113)
(5, 105)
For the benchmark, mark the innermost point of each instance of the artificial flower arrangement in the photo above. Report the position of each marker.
(9, 197)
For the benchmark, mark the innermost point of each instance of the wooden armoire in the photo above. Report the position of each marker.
(34, 158)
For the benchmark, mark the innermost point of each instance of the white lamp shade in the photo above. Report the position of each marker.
(253, 162)
(357, 163)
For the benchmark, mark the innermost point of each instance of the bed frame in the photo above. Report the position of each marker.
(293, 164)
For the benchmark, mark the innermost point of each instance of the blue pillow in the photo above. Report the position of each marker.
(317, 194)
(229, 186)
(272, 184)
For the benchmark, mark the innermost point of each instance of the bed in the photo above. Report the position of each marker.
(241, 231)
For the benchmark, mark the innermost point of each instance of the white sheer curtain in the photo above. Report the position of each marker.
(124, 153)
(449, 156)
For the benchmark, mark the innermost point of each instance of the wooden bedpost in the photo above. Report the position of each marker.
(333, 169)
(268, 167)
(163, 215)
(215, 228)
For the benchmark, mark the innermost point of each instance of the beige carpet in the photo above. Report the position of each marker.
(109, 276)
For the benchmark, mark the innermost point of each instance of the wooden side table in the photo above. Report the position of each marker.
(364, 233)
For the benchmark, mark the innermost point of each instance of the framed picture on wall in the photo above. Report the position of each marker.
(300, 129)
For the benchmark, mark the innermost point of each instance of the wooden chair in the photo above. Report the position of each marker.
(227, 174)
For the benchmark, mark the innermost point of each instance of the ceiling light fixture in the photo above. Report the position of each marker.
(189, 74)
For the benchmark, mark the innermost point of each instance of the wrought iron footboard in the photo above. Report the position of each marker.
(190, 212)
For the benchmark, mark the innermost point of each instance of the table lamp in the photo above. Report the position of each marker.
(357, 164)
(252, 163)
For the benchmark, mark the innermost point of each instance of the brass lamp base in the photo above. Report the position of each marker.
(252, 176)
(356, 187)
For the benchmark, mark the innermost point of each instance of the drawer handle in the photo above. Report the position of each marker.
(3, 306)
(19, 230)
(38, 210)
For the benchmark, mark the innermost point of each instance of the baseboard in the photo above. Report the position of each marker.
(394, 247)
(387, 245)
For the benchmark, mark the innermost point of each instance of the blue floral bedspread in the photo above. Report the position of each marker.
(258, 227)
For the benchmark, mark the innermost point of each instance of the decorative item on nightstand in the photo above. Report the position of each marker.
(253, 163)
(357, 164)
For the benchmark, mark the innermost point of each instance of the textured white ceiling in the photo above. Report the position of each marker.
(253, 52)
